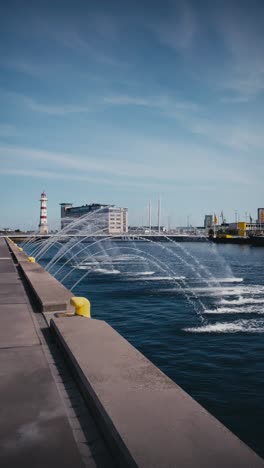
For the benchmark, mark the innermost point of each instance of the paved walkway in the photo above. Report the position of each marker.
(43, 419)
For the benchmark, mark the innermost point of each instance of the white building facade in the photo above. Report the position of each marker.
(117, 220)
(95, 218)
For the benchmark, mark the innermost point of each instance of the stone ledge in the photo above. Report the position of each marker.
(50, 294)
(147, 419)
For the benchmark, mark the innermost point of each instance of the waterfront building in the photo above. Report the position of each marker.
(208, 221)
(106, 219)
(260, 216)
(242, 229)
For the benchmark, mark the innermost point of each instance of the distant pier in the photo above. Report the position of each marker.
(138, 237)
(154, 237)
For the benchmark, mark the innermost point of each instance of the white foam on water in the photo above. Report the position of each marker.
(106, 272)
(88, 263)
(235, 310)
(217, 290)
(245, 326)
(94, 269)
(165, 278)
(141, 273)
(227, 280)
(125, 257)
(243, 300)
(109, 261)
(229, 291)
(231, 280)
(207, 291)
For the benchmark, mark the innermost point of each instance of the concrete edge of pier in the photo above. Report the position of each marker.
(51, 295)
(146, 419)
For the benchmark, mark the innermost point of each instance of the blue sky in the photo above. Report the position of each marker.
(124, 101)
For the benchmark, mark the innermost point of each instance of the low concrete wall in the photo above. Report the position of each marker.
(146, 418)
(51, 295)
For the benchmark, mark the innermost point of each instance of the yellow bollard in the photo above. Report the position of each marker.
(82, 306)
(20, 249)
(31, 259)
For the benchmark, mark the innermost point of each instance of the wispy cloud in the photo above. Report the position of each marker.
(72, 162)
(52, 109)
(90, 36)
(245, 82)
(75, 41)
(54, 175)
(161, 163)
(7, 130)
(178, 29)
(241, 32)
(165, 104)
(236, 134)
(37, 106)
(126, 100)
(24, 65)
(64, 176)
(119, 184)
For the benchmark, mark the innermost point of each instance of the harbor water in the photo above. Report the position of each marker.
(196, 310)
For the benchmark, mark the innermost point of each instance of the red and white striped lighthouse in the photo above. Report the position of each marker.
(43, 223)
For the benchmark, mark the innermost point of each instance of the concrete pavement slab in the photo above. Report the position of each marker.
(34, 430)
(4, 250)
(17, 327)
(17, 311)
(7, 266)
(12, 299)
(9, 278)
(12, 294)
(12, 288)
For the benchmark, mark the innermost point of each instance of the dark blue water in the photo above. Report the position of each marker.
(196, 310)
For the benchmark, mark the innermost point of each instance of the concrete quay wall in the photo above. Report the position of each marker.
(51, 295)
(147, 420)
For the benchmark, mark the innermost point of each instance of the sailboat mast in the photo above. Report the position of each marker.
(149, 216)
(159, 206)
